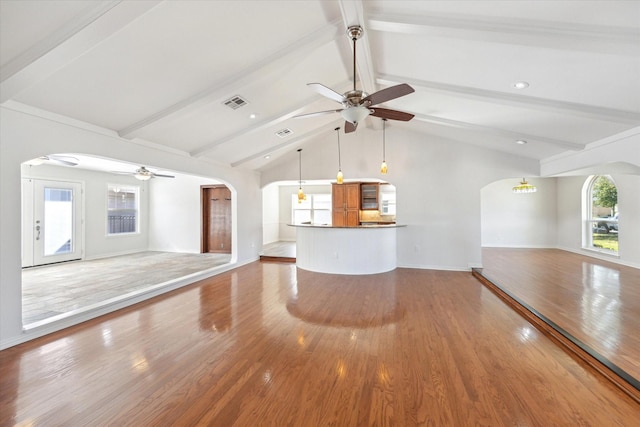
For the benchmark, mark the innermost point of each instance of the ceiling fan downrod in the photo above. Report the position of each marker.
(355, 32)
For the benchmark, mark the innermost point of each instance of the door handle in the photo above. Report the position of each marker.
(38, 230)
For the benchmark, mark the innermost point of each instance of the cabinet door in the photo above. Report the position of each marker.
(369, 193)
(352, 196)
(338, 218)
(353, 218)
(338, 197)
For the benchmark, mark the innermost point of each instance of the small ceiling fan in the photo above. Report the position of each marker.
(144, 174)
(357, 104)
(52, 158)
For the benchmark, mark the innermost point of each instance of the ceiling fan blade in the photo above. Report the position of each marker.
(122, 173)
(325, 91)
(388, 94)
(385, 113)
(350, 127)
(163, 176)
(318, 113)
(63, 162)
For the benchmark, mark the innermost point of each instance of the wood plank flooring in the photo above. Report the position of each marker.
(267, 344)
(595, 301)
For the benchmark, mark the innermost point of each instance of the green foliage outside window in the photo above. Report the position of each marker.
(605, 193)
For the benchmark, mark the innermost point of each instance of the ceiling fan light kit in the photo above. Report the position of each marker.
(355, 115)
(356, 103)
(144, 174)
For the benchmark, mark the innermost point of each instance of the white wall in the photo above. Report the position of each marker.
(438, 184)
(270, 214)
(175, 213)
(25, 136)
(519, 220)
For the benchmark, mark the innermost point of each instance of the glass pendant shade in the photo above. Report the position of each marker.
(524, 187)
(355, 114)
(383, 168)
(301, 195)
(340, 177)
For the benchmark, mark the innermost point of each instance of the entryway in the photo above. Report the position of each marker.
(51, 221)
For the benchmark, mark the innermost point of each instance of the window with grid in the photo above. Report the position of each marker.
(601, 214)
(316, 209)
(122, 209)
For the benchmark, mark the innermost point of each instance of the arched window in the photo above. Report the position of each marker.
(600, 201)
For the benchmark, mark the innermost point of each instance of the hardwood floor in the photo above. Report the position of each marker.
(595, 301)
(268, 344)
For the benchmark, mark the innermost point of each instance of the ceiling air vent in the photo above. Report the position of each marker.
(235, 102)
(284, 132)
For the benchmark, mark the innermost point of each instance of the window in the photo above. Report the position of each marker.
(316, 209)
(601, 219)
(122, 209)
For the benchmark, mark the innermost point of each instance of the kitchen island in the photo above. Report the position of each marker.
(363, 249)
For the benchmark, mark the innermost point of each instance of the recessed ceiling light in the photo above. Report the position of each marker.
(521, 142)
(267, 157)
(252, 116)
(521, 85)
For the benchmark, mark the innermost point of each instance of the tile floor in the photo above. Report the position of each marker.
(55, 289)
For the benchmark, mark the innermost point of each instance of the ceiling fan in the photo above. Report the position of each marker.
(357, 104)
(144, 174)
(52, 158)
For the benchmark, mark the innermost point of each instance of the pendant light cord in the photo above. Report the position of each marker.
(300, 167)
(339, 160)
(384, 137)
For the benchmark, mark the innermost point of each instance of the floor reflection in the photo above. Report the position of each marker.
(353, 301)
(596, 302)
(601, 304)
(215, 304)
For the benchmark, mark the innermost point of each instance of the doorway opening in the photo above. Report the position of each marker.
(51, 222)
(119, 235)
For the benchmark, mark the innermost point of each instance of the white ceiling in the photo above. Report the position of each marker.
(160, 71)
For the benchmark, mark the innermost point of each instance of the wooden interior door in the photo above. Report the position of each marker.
(216, 215)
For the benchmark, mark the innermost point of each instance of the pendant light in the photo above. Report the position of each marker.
(383, 166)
(301, 195)
(339, 177)
(524, 187)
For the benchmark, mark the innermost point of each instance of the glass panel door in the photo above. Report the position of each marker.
(56, 222)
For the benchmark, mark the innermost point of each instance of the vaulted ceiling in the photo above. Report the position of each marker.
(161, 71)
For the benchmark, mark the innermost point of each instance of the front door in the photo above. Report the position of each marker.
(216, 206)
(52, 221)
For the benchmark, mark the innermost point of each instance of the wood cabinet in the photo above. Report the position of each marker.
(345, 202)
(369, 196)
